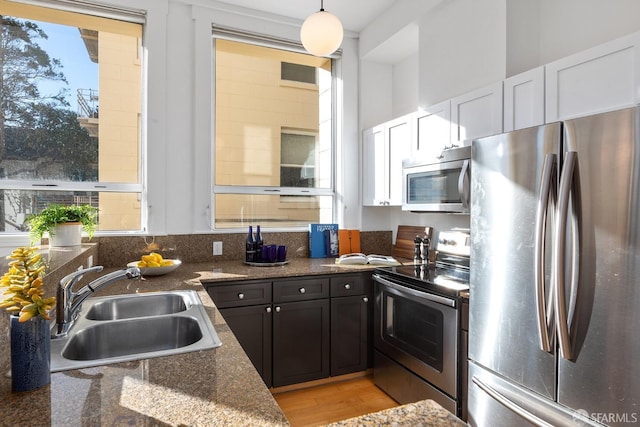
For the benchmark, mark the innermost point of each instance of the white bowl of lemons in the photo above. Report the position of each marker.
(154, 265)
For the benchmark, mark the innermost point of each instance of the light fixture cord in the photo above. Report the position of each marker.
(321, 5)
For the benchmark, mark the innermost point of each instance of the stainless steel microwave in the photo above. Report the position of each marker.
(442, 185)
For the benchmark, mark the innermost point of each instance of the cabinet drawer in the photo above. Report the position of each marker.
(347, 285)
(241, 294)
(300, 289)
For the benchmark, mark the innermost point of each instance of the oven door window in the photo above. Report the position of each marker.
(434, 187)
(415, 328)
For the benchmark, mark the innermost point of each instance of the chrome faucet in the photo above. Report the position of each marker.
(68, 302)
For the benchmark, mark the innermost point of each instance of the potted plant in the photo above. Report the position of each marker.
(63, 223)
(23, 298)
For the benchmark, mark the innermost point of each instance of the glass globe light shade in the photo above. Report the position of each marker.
(321, 33)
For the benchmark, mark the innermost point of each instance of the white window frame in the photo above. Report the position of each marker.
(122, 13)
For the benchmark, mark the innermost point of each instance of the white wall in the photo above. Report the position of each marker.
(570, 26)
(462, 46)
(523, 36)
(349, 167)
(376, 93)
(404, 96)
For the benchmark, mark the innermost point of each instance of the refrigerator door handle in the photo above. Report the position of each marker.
(547, 195)
(505, 401)
(565, 190)
(464, 185)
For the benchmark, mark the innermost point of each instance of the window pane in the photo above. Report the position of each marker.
(117, 211)
(70, 90)
(298, 73)
(298, 160)
(253, 106)
(71, 100)
(240, 210)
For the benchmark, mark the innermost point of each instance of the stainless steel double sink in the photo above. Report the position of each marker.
(121, 328)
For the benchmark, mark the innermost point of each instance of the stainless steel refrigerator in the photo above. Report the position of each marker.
(554, 328)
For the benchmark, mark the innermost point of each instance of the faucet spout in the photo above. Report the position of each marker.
(70, 302)
(100, 282)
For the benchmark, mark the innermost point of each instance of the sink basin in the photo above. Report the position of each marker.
(130, 327)
(113, 339)
(126, 307)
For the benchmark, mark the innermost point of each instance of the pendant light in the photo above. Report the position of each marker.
(321, 33)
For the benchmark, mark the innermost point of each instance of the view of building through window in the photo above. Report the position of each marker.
(70, 89)
(273, 145)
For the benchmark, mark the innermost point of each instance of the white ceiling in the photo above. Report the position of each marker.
(354, 14)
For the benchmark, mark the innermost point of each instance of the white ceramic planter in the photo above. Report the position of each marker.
(68, 234)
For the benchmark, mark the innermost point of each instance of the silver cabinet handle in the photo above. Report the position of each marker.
(278, 309)
(302, 290)
(546, 196)
(240, 295)
(365, 299)
(268, 309)
(347, 286)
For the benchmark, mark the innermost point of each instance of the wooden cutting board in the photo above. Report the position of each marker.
(405, 239)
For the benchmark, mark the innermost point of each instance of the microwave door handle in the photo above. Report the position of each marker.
(464, 185)
(566, 184)
(546, 196)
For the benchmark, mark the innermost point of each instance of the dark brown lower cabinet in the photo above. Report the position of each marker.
(350, 318)
(252, 327)
(300, 341)
(303, 328)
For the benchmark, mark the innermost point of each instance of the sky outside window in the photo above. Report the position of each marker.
(65, 44)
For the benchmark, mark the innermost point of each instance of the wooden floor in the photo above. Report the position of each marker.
(327, 403)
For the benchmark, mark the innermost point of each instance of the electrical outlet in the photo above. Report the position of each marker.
(217, 248)
(90, 261)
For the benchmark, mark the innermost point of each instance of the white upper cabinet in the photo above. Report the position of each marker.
(524, 100)
(603, 78)
(384, 147)
(373, 157)
(432, 130)
(476, 114)
(398, 134)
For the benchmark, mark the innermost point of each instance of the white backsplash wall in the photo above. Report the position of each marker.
(380, 218)
(439, 221)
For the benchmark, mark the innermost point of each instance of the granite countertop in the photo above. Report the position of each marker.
(216, 387)
(424, 413)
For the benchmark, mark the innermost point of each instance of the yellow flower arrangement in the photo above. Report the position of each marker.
(23, 285)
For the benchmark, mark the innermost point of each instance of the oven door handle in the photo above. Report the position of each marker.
(418, 294)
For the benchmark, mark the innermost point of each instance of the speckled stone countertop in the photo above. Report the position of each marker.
(217, 387)
(236, 270)
(425, 413)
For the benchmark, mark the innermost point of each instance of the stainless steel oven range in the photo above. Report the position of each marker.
(417, 325)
